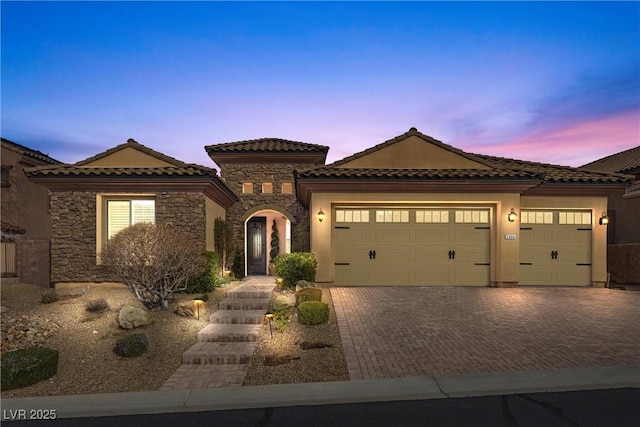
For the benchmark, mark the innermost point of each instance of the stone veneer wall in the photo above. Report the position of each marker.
(234, 174)
(73, 240)
(33, 260)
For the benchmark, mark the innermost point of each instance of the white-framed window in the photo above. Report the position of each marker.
(267, 188)
(472, 216)
(432, 217)
(352, 215)
(577, 218)
(287, 188)
(536, 217)
(392, 215)
(121, 213)
(247, 188)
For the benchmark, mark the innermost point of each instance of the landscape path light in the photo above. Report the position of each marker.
(198, 303)
(269, 316)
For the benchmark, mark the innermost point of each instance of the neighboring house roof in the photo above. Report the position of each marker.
(102, 170)
(29, 155)
(267, 149)
(627, 161)
(8, 228)
(436, 174)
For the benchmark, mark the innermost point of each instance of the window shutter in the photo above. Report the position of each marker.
(143, 211)
(118, 216)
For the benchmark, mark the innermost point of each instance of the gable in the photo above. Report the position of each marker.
(412, 152)
(127, 157)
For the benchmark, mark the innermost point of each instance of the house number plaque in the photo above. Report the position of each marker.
(509, 237)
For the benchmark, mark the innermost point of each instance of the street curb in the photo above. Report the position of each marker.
(339, 392)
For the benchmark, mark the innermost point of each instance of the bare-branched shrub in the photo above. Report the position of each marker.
(154, 261)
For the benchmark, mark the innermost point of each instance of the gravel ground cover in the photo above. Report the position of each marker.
(85, 341)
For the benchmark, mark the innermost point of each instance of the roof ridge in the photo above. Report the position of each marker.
(411, 132)
(264, 139)
(132, 143)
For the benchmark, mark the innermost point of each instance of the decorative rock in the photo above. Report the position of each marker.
(26, 331)
(132, 317)
(184, 310)
(303, 284)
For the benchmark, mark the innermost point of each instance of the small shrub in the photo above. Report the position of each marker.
(308, 294)
(97, 305)
(203, 297)
(207, 280)
(27, 366)
(49, 297)
(281, 316)
(313, 312)
(296, 266)
(131, 345)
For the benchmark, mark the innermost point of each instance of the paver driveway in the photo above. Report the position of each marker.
(392, 332)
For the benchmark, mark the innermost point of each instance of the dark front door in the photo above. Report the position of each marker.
(257, 246)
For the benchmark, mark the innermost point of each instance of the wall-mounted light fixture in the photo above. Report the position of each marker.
(320, 215)
(511, 216)
(604, 219)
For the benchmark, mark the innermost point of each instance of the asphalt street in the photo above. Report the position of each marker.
(613, 407)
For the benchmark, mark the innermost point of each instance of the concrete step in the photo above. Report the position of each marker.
(206, 376)
(241, 317)
(229, 333)
(219, 353)
(251, 292)
(244, 304)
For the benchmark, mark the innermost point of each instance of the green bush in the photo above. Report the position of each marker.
(208, 279)
(313, 312)
(308, 294)
(237, 269)
(296, 266)
(203, 297)
(49, 297)
(281, 316)
(131, 345)
(27, 366)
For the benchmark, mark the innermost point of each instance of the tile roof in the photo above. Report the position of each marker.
(556, 173)
(132, 143)
(501, 168)
(73, 170)
(8, 228)
(622, 162)
(435, 174)
(266, 145)
(29, 153)
(411, 132)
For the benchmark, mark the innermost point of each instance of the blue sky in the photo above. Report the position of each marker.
(542, 81)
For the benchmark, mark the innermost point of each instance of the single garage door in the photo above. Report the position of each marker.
(395, 246)
(555, 247)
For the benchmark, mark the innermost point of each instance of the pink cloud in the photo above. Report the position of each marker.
(573, 145)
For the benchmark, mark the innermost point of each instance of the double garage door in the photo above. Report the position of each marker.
(384, 246)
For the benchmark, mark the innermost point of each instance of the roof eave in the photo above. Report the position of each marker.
(221, 158)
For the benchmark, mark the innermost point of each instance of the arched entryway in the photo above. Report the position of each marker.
(260, 224)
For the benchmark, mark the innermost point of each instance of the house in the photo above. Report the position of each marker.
(409, 211)
(623, 252)
(26, 223)
(624, 221)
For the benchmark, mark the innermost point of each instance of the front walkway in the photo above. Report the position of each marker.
(391, 332)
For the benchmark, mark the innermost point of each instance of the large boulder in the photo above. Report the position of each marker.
(132, 317)
(303, 284)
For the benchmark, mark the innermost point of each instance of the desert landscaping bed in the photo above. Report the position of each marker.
(85, 341)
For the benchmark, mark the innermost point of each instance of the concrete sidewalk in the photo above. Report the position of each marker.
(411, 388)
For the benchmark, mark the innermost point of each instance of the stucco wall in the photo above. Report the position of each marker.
(505, 254)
